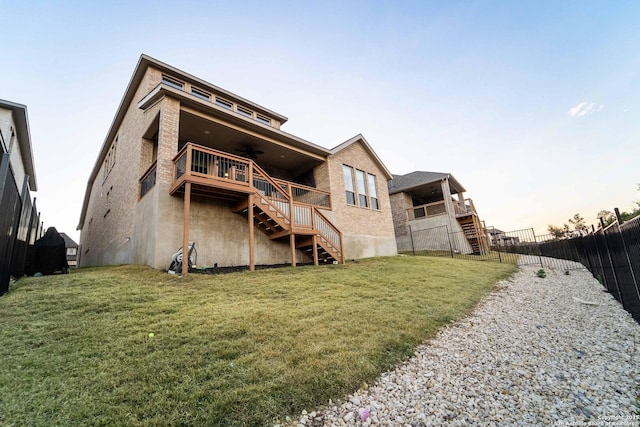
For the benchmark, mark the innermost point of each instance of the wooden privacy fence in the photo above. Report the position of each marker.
(20, 225)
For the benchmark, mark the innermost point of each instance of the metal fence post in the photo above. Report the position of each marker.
(537, 246)
(413, 248)
(613, 269)
(626, 252)
(446, 230)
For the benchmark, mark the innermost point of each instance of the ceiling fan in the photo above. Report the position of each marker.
(249, 152)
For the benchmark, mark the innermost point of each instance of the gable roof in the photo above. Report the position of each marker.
(21, 121)
(365, 144)
(68, 241)
(144, 62)
(415, 179)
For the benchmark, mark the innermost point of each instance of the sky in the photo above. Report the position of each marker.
(533, 106)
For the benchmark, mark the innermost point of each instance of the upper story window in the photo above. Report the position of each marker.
(349, 185)
(110, 160)
(224, 103)
(72, 251)
(262, 119)
(170, 81)
(244, 111)
(219, 101)
(373, 192)
(360, 188)
(200, 94)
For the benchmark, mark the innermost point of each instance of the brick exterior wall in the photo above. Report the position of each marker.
(400, 202)
(366, 232)
(106, 237)
(120, 227)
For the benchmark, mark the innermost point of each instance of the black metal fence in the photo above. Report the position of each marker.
(20, 225)
(611, 254)
(513, 247)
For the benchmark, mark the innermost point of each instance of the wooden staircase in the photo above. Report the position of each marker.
(475, 234)
(276, 223)
(280, 209)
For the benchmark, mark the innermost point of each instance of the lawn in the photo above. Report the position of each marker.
(129, 345)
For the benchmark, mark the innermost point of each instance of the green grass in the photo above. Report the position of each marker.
(241, 349)
(493, 256)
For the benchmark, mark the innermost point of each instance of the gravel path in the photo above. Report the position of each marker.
(537, 351)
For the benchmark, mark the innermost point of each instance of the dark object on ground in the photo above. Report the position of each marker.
(176, 259)
(49, 254)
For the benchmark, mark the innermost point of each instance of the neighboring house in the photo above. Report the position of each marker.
(71, 248)
(500, 238)
(424, 202)
(19, 221)
(15, 139)
(187, 161)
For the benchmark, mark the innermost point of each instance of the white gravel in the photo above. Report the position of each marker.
(537, 351)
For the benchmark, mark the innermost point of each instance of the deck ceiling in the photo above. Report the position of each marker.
(431, 192)
(220, 137)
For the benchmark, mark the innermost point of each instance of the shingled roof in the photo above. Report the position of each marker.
(415, 179)
(68, 241)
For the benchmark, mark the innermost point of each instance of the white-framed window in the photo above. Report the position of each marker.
(360, 188)
(349, 185)
(373, 191)
(263, 119)
(174, 83)
(224, 103)
(244, 111)
(200, 94)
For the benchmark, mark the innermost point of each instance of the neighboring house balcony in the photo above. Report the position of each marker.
(465, 213)
(430, 201)
(280, 209)
(461, 209)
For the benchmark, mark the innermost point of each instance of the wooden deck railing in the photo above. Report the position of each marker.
(424, 211)
(148, 180)
(206, 166)
(464, 207)
(460, 208)
(304, 194)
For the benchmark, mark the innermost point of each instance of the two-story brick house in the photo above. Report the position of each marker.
(185, 160)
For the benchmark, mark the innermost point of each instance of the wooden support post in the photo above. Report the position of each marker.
(185, 232)
(252, 261)
(314, 241)
(292, 241)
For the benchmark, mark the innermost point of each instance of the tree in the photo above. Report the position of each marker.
(559, 233)
(579, 226)
(556, 232)
(607, 216)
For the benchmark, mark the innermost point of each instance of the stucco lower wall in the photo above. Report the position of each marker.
(358, 246)
(146, 222)
(221, 236)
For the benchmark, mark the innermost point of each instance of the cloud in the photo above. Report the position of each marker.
(585, 108)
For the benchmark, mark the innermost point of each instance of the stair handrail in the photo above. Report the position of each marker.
(284, 197)
(336, 241)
